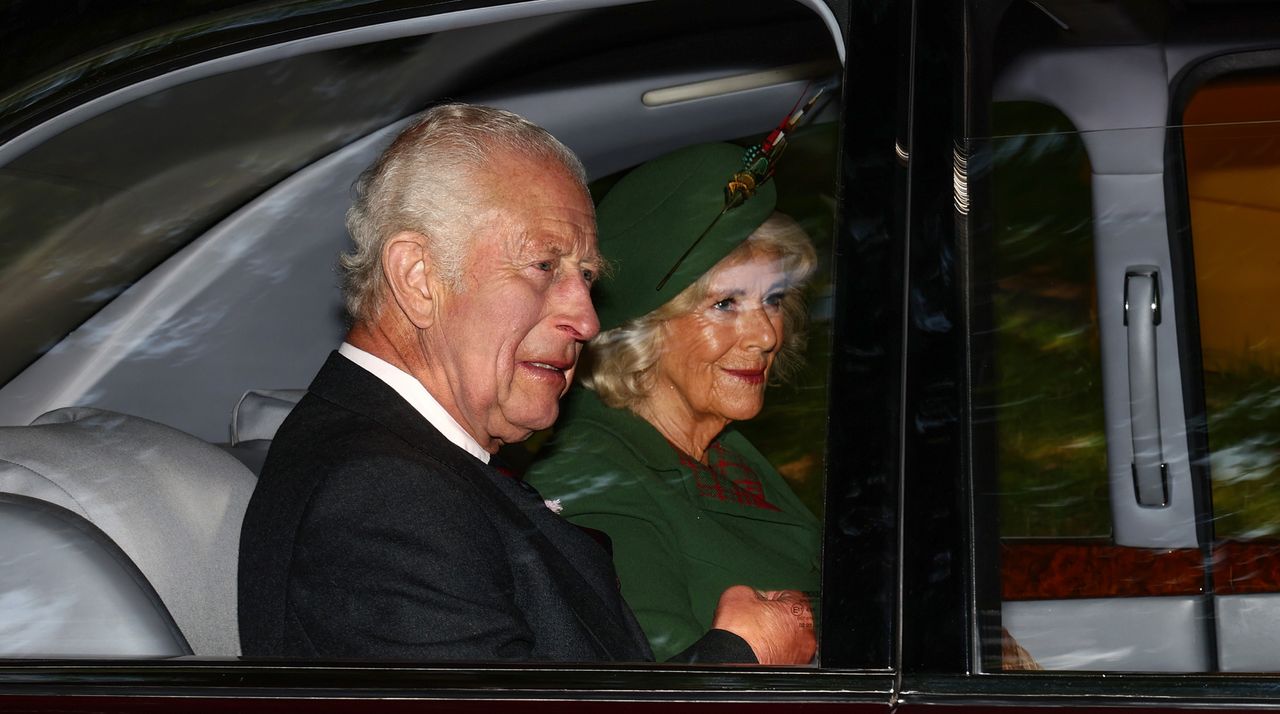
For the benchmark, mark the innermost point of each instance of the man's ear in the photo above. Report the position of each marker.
(407, 268)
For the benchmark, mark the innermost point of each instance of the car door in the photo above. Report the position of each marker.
(1109, 440)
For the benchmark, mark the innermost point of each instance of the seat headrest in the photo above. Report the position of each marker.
(260, 412)
(170, 501)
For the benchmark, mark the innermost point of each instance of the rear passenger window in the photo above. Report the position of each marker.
(1126, 369)
(1079, 417)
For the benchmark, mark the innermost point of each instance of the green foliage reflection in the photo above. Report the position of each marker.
(1047, 392)
(1243, 403)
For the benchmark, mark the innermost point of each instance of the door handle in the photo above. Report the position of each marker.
(1141, 316)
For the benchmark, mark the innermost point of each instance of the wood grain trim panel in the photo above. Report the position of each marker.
(1066, 570)
(1074, 570)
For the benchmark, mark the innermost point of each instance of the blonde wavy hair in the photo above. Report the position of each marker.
(618, 364)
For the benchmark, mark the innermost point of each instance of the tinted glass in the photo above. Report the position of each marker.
(1231, 145)
(1093, 349)
(84, 214)
(1046, 391)
(1080, 444)
(1232, 142)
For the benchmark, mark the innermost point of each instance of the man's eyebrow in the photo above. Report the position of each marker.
(528, 244)
(603, 267)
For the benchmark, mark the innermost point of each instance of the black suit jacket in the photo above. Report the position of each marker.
(370, 535)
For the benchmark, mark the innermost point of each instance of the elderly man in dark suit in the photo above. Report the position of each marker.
(378, 528)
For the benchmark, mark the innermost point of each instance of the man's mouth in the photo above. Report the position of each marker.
(557, 366)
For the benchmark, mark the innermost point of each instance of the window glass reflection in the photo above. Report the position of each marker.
(1232, 145)
(136, 183)
(1088, 579)
(1047, 398)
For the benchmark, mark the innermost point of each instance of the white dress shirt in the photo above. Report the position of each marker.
(417, 395)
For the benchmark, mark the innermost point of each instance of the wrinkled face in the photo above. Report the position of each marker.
(715, 361)
(510, 334)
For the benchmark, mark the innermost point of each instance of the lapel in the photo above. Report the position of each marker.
(578, 564)
(653, 449)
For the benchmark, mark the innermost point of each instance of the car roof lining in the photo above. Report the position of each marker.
(369, 34)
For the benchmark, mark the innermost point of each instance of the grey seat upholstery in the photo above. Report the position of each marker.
(254, 422)
(171, 502)
(260, 412)
(68, 591)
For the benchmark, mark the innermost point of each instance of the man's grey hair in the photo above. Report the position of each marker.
(427, 181)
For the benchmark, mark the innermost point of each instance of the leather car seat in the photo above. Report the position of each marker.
(171, 503)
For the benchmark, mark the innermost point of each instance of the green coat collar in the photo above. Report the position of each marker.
(646, 444)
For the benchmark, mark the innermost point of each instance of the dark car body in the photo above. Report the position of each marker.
(1042, 396)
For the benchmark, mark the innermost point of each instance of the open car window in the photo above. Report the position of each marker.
(169, 285)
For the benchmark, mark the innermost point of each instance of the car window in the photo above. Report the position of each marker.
(169, 261)
(133, 185)
(1080, 444)
(1068, 584)
(1231, 128)
(1052, 447)
(1230, 137)
(1122, 380)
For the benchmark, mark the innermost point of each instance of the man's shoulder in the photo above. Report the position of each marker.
(321, 440)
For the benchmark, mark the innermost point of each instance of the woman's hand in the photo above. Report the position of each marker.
(778, 624)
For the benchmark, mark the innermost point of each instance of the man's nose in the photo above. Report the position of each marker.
(577, 314)
(759, 331)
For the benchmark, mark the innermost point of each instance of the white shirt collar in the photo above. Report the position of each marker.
(417, 396)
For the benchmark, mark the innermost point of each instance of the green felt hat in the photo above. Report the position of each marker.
(653, 214)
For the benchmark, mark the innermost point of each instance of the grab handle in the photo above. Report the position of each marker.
(1141, 316)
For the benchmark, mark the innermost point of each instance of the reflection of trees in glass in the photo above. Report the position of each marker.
(1243, 404)
(1047, 391)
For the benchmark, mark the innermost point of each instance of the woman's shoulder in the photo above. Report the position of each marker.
(589, 431)
(592, 454)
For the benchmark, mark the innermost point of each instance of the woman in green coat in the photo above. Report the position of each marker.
(703, 311)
